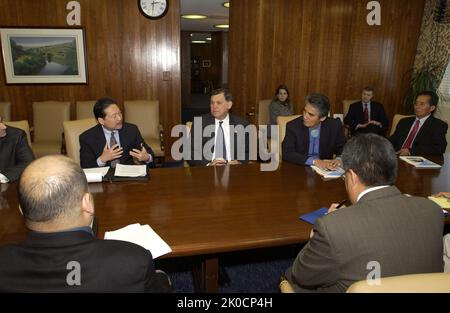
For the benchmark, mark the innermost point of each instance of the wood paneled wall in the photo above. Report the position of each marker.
(321, 46)
(126, 54)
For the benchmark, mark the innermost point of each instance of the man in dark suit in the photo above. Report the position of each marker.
(112, 141)
(15, 154)
(61, 253)
(422, 134)
(218, 138)
(314, 139)
(384, 233)
(367, 116)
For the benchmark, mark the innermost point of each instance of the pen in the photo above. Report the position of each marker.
(341, 203)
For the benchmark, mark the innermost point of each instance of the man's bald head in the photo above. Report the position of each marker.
(51, 188)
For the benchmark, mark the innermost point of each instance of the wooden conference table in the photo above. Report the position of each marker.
(205, 211)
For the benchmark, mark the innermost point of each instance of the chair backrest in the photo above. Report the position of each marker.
(282, 121)
(346, 105)
(72, 132)
(22, 125)
(48, 118)
(430, 282)
(395, 120)
(85, 109)
(145, 114)
(263, 112)
(5, 110)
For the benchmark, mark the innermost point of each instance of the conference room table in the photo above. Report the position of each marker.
(203, 212)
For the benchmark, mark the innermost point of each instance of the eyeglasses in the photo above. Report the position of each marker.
(343, 175)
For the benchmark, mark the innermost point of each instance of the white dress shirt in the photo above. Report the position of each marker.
(226, 132)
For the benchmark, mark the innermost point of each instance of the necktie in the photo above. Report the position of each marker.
(366, 113)
(412, 135)
(112, 142)
(219, 148)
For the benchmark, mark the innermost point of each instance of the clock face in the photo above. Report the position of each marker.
(153, 8)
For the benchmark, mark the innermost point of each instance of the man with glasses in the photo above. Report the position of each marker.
(112, 141)
(15, 154)
(383, 233)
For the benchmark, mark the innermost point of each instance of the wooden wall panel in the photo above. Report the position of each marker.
(321, 46)
(126, 54)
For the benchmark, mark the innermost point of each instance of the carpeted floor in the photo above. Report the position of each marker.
(254, 271)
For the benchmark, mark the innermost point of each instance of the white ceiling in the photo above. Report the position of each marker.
(217, 14)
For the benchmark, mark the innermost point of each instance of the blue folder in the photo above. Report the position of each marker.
(313, 216)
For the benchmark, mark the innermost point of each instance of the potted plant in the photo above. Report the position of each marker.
(421, 80)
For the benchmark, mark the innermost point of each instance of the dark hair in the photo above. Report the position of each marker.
(44, 199)
(434, 98)
(225, 91)
(278, 90)
(320, 102)
(101, 105)
(372, 158)
(369, 88)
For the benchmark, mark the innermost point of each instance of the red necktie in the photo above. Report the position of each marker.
(412, 135)
(366, 113)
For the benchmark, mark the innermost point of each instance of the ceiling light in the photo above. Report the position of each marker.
(222, 26)
(194, 16)
(208, 38)
(226, 4)
(198, 41)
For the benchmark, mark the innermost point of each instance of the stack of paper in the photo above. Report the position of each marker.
(142, 235)
(130, 170)
(94, 175)
(419, 162)
(328, 173)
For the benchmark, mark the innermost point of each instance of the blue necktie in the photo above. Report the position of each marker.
(219, 148)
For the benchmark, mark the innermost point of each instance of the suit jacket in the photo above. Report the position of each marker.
(15, 154)
(403, 234)
(207, 120)
(430, 140)
(296, 142)
(355, 115)
(40, 264)
(93, 141)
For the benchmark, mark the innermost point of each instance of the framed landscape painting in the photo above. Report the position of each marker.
(44, 55)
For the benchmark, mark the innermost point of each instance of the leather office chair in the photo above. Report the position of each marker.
(145, 114)
(22, 125)
(395, 120)
(5, 110)
(72, 132)
(282, 121)
(48, 118)
(85, 109)
(285, 286)
(263, 112)
(412, 283)
(346, 105)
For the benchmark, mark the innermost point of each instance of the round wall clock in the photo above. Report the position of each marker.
(153, 9)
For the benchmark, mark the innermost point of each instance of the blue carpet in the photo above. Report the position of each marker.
(256, 271)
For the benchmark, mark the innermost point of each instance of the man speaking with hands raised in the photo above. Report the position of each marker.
(112, 141)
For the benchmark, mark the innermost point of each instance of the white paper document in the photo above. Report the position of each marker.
(338, 172)
(94, 175)
(419, 162)
(130, 170)
(142, 235)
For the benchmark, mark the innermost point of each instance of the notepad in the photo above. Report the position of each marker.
(328, 173)
(441, 201)
(142, 235)
(313, 216)
(130, 170)
(96, 174)
(419, 162)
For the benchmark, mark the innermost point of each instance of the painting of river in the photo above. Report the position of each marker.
(42, 56)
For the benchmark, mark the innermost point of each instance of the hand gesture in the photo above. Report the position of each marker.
(109, 154)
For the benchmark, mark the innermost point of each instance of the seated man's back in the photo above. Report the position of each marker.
(61, 253)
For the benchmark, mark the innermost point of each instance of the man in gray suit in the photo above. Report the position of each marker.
(383, 233)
